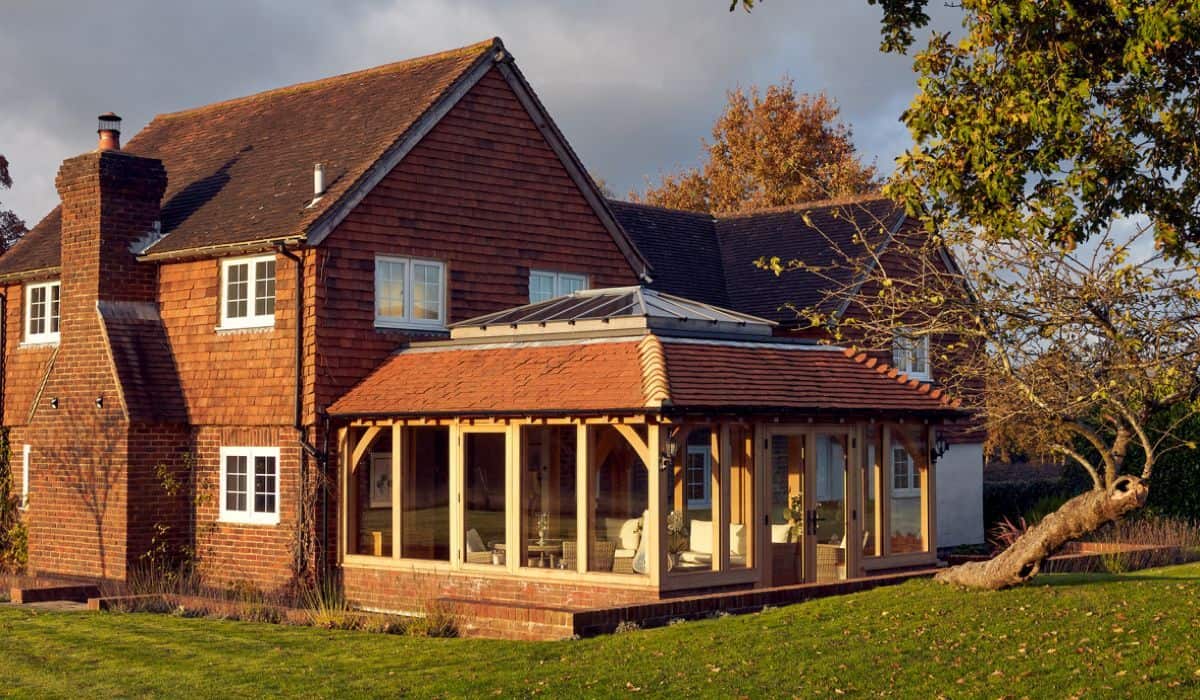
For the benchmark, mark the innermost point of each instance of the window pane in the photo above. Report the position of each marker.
(370, 495)
(870, 495)
(484, 493)
(237, 290)
(264, 484)
(37, 310)
(389, 289)
(569, 284)
(427, 292)
(906, 505)
(548, 497)
(541, 287)
(742, 522)
(699, 475)
(264, 288)
(619, 507)
(690, 519)
(831, 452)
(786, 512)
(425, 495)
(55, 291)
(235, 483)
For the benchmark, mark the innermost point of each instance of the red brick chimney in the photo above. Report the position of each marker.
(110, 203)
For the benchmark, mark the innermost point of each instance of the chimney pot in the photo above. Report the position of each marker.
(110, 132)
(318, 180)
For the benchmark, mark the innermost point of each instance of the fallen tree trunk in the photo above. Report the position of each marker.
(1077, 517)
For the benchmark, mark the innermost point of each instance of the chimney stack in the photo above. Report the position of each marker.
(110, 132)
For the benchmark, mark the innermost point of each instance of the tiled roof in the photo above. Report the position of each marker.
(702, 257)
(634, 375)
(681, 247)
(570, 377)
(708, 374)
(242, 170)
(142, 359)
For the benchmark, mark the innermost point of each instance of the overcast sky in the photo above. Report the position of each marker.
(634, 85)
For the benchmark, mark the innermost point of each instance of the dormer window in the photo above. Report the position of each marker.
(42, 312)
(910, 355)
(248, 292)
(544, 284)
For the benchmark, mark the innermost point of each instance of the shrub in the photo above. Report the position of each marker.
(1011, 500)
(1173, 541)
(327, 607)
(627, 626)
(14, 538)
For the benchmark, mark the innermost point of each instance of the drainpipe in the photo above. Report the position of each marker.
(307, 449)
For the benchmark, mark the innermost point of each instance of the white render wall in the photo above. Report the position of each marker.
(959, 475)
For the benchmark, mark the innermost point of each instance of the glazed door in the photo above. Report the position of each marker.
(810, 520)
(831, 524)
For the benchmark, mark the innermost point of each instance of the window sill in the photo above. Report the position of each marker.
(231, 520)
(411, 327)
(39, 343)
(253, 328)
(919, 376)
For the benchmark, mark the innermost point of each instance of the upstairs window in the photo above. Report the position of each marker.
(911, 355)
(248, 292)
(250, 485)
(42, 312)
(545, 285)
(409, 293)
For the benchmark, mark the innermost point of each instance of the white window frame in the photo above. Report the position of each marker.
(251, 319)
(706, 451)
(912, 478)
(47, 335)
(249, 516)
(25, 455)
(407, 320)
(907, 354)
(557, 282)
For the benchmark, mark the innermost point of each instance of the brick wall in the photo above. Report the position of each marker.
(79, 473)
(401, 590)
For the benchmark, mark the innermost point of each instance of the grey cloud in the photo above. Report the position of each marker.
(634, 85)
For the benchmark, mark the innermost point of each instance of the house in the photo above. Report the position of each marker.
(436, 354)
(712, 259)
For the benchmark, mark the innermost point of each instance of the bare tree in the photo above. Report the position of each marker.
(1073, 354)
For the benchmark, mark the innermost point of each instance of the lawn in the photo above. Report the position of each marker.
(1066, 636)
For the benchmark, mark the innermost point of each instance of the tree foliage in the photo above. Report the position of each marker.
(11, 226)
(769, 148)
(1089, 356)
(1049, 119)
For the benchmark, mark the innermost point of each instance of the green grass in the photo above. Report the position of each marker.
(1089, 636)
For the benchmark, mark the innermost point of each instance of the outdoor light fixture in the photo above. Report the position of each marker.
(54, 402)
(99, 402)
(670, 450)
(940, 447)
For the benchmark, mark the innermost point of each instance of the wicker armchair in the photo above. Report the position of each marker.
(831, 562)
(602, 555)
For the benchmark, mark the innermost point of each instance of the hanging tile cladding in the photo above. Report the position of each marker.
(241, 377)
(485, 194)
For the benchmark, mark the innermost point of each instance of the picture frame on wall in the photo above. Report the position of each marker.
(380, 489)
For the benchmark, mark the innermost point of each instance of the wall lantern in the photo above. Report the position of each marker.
(99, 402)
(669, 452)
(54, 403)
(940, 447)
